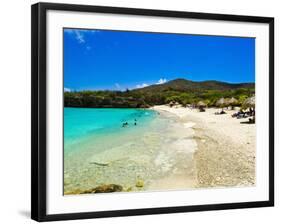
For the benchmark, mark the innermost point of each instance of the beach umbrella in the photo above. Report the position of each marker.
(232, 102)
(171, 103)
(201, 104)
(221, 102)
(249, 102)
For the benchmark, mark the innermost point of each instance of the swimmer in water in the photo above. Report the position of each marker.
(125, 124)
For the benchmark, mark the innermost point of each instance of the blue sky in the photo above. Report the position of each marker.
(116, 60)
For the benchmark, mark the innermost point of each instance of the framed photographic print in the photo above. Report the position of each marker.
(138, 111)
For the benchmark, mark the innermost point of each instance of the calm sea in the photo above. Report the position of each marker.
(99, 150)
(81, 124)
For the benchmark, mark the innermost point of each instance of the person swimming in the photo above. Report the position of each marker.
(125, 124)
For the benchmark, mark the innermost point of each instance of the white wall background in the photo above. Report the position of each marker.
(15, 110)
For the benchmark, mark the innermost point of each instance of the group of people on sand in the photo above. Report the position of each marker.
(244, 114)
(221, 112)
(126, 124)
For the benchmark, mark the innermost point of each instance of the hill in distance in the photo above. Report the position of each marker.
(183, 85)
(179, 90)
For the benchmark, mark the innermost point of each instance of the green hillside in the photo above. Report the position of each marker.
(179, 90)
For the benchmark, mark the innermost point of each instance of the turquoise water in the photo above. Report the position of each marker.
(83, 123)
(98, 150)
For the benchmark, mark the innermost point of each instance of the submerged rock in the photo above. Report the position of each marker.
(107, 188)
(129, 189)
(76, 191)
(139, 183)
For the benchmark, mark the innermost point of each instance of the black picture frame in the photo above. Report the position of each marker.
(38, 109)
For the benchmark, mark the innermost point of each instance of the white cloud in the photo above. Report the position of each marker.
(80, 34)
(141, 85)
(117, 86)
(66, 89)
(161, 81)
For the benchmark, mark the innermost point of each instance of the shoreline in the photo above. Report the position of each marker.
(144, 159)
(189, 150)
(225, 154)
(183, 175)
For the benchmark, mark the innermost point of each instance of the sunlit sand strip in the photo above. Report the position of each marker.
(226, 147)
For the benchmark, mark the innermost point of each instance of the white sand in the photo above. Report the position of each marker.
(226, 147)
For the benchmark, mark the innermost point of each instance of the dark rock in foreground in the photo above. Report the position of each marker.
(106, 188)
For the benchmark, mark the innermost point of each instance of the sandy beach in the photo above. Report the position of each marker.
(225, 149)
